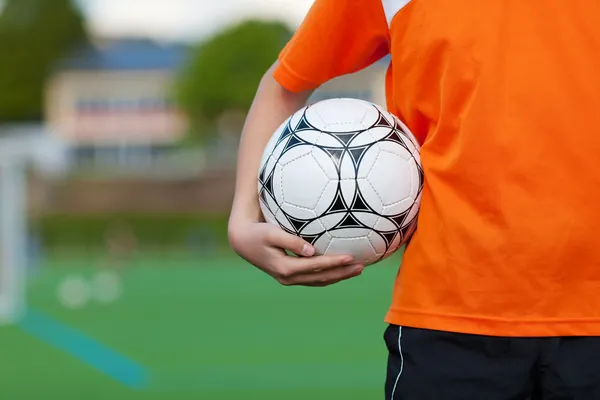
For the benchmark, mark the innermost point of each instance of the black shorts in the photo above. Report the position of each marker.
(433, 365)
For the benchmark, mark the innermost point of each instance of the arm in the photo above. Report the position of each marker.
(337, 37)
(264, 245)
(272, 105)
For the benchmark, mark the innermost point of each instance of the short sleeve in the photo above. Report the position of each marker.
(336, 38)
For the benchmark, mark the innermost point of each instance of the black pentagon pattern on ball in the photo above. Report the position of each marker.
(338, 205)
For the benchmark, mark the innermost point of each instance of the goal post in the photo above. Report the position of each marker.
(13, 237)
(24, 147)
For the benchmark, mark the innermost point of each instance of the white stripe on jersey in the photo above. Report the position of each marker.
(392, 7)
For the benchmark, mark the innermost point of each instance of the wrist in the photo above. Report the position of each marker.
(244, 214)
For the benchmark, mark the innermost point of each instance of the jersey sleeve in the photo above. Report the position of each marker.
(336, 38)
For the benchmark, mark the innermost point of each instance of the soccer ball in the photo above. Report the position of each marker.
(345, 175)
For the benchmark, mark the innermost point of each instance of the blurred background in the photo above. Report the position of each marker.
(119, 125)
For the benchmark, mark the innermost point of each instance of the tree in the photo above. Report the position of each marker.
(224, 72)
(34, 34)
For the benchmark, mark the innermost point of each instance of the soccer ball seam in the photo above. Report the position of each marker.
(399, 201)
(283, 164)
(315, 110)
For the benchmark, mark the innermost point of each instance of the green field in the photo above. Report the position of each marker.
(200, 329)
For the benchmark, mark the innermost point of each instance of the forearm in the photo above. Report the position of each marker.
(271, 106)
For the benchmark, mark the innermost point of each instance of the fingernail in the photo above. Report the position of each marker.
(308, 250)
(348, 260)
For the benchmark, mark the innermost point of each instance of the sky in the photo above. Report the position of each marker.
(183, 19)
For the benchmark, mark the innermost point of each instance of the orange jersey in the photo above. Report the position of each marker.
(505, 99)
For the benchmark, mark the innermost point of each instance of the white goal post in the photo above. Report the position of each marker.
(20, 148)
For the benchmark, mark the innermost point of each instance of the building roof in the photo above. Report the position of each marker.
(126, 54)
(132, 54)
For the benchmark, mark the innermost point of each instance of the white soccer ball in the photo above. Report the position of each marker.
(345, 175)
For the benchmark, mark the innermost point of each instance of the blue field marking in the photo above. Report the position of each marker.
(85, 349)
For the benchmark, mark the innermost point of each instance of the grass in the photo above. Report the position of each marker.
(208, 329)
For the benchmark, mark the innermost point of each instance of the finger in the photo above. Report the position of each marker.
(326, 278)
(279, 238)
(330, 283)
(288, 267)
(316, 264)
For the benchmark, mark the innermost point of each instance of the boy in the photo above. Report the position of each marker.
(499, 292)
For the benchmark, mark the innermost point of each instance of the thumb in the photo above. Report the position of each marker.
(277, 237)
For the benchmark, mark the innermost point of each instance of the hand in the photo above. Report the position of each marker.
(264, 246)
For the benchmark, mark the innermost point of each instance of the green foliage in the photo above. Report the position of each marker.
(34, 34)
(224, 72)
(152, 231)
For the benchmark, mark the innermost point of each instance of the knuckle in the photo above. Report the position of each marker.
(324, 282)
(298, 243)
(318, 265)
(286, 276)
(314, 267)
(284, 281)
(271, 236)
(282, 273)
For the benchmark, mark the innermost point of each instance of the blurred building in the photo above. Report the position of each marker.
(112, 102)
